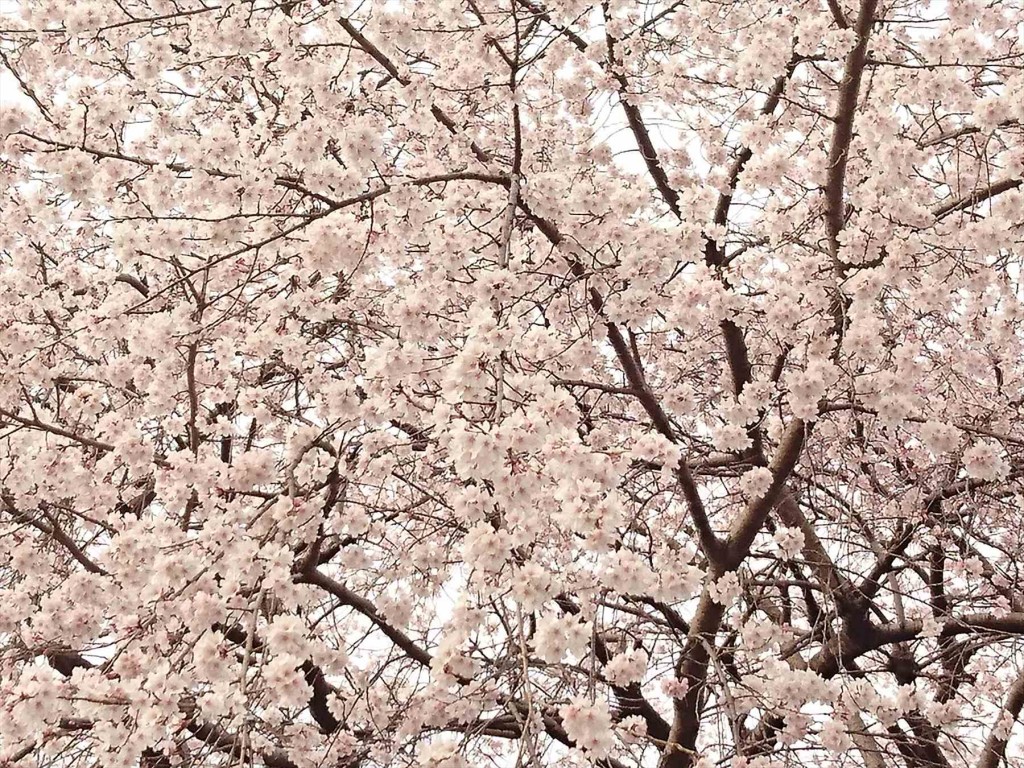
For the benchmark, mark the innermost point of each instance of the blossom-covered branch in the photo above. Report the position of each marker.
(511, 382)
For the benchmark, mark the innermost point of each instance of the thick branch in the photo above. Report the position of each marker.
(995, 746)
(842, 135)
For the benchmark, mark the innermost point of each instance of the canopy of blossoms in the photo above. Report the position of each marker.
(464, 383)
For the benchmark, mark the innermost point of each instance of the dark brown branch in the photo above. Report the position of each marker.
(381, 58)
(977, 196)
(694, 661)
(53, 529)
(630, 698)
(837, 14)
(842, 135)
(350, 599)
(609, 388)
(967, 130)
(994, 750)
(66, 662)
(134, 282)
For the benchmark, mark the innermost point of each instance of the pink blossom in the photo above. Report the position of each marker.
(984, 460)
(627, 667)
(589, 725)
(501, 383)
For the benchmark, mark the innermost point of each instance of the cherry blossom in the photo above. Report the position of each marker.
(627, 667)
(984, 461)
(790, 541)
(589, 725)
(511, 382)
(756, 482)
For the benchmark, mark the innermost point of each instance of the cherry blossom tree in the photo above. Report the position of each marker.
(456, 383)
